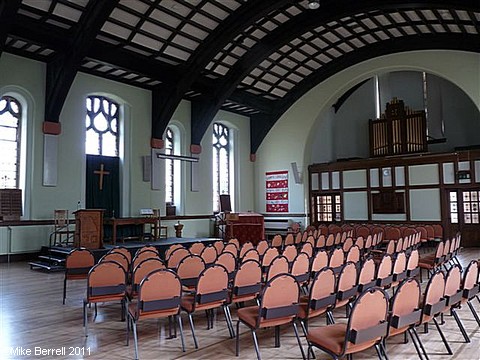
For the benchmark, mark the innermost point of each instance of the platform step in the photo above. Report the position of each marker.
(52, 258)
(45, 266)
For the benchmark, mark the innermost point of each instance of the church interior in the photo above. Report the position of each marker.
(313, 143)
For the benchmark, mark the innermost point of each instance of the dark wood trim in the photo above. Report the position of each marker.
(283, 215)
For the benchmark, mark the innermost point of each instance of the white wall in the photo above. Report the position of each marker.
(293, 137)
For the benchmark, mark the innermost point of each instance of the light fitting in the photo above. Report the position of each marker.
(177, 157)
(313, 4)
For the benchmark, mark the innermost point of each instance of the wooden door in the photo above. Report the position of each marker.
(464, 215)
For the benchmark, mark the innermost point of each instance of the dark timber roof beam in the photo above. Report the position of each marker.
(8, 11)
(61, 71)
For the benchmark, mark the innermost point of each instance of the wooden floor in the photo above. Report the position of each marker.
(32, 316)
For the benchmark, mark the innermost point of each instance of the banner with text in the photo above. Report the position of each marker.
(277, 191)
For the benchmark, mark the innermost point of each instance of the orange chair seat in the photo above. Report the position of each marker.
(133, 310)
(188, 302)
(249, 315)
(332, 338)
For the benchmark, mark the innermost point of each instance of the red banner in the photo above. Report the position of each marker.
(276, 191)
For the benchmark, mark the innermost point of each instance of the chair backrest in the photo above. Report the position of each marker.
(117, 257)
(360, 242)
(197, 248)
(362, 231)
(392, 233)
(406, 301)
(107, 278)
(423, 233)
(390, 247)
(235, 242)
(301, 267)
(159, 291)
(338, 238)
(144, 268)
(439, 250)
(368, 317)
(231, 248)
(470, 279)
(269, 255)
(347, 278)
(248, 278)
(453, 245)
(319, 261)
(304, 236)
(279, 265)
(368, 242)
(307, 248)
(140, 256)
(311, 240)
(366, 277)
(330, 240)
(453, 281)
(245, 247)
(176, 256)
(321, 242)
(337, 258)
(279, 300)
(347, 244)
(262, 247)
(79, 261)
(228, 261)
(400, 264)
(146, 248)
(434, 293)
(289, 239)
(446, 247)
(251, 254)
(212, 286)
(190, 268)
(353, 254)
(323, 285)
(298, 238)
(430, 232)
(124, 251)
(290, 252)
(399, 245)
(323, 229)
(385, 267)
(219, 245)
(171, 249)
(277, 241)
(209, 254)
(438, 231)
(413, 260)
(60, 218)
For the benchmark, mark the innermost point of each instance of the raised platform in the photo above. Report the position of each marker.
(53, 258)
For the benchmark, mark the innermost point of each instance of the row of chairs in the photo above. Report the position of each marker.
(445, 255)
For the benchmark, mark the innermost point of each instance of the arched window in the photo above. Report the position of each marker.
(10, 142)
(169, 167)
(102, 126)
(221, 163)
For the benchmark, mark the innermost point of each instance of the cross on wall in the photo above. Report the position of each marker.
(102, 172)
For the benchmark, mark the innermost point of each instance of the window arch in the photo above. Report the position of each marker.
(102, 123)
(221, 142)
(10, 141)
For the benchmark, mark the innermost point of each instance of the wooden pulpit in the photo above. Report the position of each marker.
(89, 228)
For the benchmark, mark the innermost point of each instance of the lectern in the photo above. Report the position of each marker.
(89, 228)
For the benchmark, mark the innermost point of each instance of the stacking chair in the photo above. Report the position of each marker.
(453, 297)
(366, 276)
(262, 247)
(347, 288)
(434, 303)
(321, 242)
(384, 274)
(176, 256)
(231, 248)
(229, 262)
(123, 250)
(77, 265)
(119, 258)
(146, 248)
(399, 271)
(211, 292)
(235, 242)
(365, 328)
(144, 255)
(140, 271)
(330, 241)
(251, 254)
(298, 238)
(307, 248)
(432, 261)
(159, 296)
(106, 282)
(290, 252)
(209, 254)
(277, 241)
(471, 287)
(320, 300)
(405, 313)
(319, 262)
(347, 244)
(245, 247)
(219, 245)
(197, 248)
(278, 306)
(354, 254)
(337, 260)
(279, 265)
(300, 269)
(289, 239)
(247, 282)
(171, 249)
(412, 264)
(189, 269)
(267, 258)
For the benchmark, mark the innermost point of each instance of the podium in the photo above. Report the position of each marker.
(245, 227)
(89, 228)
